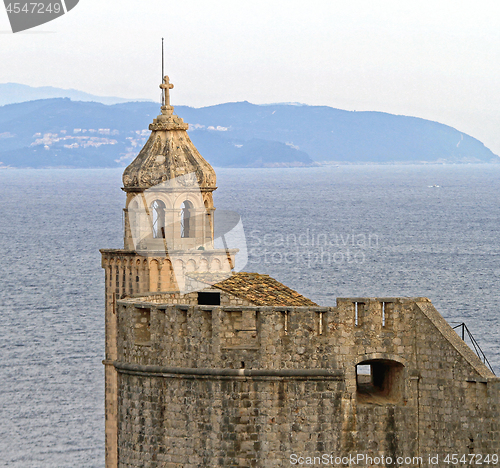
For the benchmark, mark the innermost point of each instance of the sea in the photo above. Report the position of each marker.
(327, 232)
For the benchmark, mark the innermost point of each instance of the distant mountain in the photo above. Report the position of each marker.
(11, 93)
(64, 133)
(329, 134)
(61, 132)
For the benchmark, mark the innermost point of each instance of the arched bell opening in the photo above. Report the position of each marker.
(158, 219)
(187, 219)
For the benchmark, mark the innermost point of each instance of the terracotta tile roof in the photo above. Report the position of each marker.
(256, 288)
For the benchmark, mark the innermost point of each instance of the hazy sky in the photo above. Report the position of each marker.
(438, 59)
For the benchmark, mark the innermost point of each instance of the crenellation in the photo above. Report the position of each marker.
(300, 322)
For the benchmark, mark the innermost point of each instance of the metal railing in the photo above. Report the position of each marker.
(475, 344)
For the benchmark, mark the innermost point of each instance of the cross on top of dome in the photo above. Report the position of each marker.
(166, 86)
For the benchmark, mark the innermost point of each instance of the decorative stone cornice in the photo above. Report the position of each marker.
(173, 125)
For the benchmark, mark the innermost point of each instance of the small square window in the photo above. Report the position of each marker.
(209, 298)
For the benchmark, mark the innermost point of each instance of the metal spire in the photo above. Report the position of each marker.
(162, 72)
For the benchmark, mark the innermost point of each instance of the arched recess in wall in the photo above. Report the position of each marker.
(187, 219)
(134, 220)
(154, 274)
(137, 268)
(215, 265)
(379, 381)
(158, 218)
(166, 282)
(203, 265)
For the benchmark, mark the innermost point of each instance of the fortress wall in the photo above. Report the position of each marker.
(373, 330)
(458, 396)
(121, 273)
(249, 386)
(226, 422)
(226, 336)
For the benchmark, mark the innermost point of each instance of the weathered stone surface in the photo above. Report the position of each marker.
(248, 383)
(198, 393)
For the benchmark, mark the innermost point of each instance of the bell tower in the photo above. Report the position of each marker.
(169, 188)
(168, 232)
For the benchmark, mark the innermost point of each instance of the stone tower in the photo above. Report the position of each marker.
(208, 367)
(176, 180)
(168, 232)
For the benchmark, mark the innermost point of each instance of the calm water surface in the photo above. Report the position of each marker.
(326, 232)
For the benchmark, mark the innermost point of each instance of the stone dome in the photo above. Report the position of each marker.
(168, 154)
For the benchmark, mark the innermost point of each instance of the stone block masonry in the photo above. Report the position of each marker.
(201, 390)
(206, 367)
